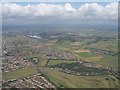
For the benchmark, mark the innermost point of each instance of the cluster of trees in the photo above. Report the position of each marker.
(79, 68)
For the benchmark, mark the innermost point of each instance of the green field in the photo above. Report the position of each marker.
(20, 73)
(71, 81)
(109, 45)
(93, 59)
(42, 59)
(55, 62)
(111, 61)
(85, 54)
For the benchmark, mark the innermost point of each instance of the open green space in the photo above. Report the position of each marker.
(109, 45)
(93, 59)
(85, 54)
(20, 73)
(72, 81)
(111, 61)
(56, 62)
(42, 59)
(79, 68)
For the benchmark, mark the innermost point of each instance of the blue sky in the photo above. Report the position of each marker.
(76, 5)
(60, 0)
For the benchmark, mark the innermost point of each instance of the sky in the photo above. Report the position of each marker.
(60, 0)
(59, 13)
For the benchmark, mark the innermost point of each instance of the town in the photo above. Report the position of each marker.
(35, 81)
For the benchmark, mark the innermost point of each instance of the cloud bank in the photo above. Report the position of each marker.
(59, 12)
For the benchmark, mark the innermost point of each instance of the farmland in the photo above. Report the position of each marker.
(111, 61)
(62, 59)
(85, 55)
(21, 73)
(65, 80)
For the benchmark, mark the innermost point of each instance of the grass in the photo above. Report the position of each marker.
(110, 45)
(93, 59)
(72, 81)
(55, 62)
(85, 54)
(42, 59)
(20, 73)
(88, 56)
(111, 61)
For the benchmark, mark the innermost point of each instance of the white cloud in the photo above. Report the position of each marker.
(93, 10)
(86, 11)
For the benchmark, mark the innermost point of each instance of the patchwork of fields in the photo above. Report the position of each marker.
(76, 60)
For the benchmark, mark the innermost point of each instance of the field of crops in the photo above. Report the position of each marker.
(111, 61)
(20, 73)
(71, 81)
